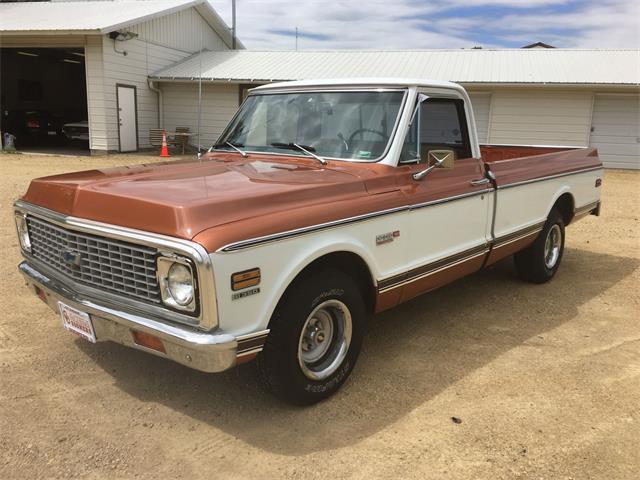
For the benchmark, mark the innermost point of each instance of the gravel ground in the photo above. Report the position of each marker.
(545, 379)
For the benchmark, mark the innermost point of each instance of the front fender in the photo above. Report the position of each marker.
(280, 263)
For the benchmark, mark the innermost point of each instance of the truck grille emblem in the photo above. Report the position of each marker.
(71, 259)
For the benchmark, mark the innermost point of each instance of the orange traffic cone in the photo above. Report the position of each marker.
(165, 151)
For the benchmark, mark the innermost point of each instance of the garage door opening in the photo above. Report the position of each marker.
(43, 97)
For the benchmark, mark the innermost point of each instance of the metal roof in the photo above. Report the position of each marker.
(482, 66)
(96, 17)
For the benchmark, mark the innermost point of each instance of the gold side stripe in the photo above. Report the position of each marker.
(521, 237)
(251, 343)
(473, 253)
(585, 208)
(432, 272)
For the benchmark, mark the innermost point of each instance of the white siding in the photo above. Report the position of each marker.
(161, 42)
(132, 69)
(95, 94)
(481, 103)
(219, 103)
(181, 30)
(541, 117)
(616, 130)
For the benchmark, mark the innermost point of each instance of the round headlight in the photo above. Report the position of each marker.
(180, 284)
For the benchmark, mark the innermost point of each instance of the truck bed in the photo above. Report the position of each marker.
(496, 153)
(516, 163)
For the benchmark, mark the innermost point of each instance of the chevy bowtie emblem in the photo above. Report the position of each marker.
(71, 259)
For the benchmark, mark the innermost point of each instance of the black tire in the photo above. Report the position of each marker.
(279, 365)
(534, 264)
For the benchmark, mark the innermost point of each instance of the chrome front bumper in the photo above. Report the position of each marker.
(205, 351)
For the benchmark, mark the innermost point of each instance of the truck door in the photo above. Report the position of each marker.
(450, 206)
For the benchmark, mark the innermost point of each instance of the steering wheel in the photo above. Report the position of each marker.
(369, 130)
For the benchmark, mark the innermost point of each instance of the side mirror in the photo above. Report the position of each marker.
(440, 157)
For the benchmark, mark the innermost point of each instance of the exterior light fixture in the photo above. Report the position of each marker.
(122, 36)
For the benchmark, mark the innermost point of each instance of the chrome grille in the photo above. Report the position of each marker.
(113, 265)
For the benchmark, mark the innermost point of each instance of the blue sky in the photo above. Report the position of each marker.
(416, 24)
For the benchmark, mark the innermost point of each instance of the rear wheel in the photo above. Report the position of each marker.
(315, 337)
(540, 261)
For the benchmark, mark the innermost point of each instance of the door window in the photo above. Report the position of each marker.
(439, 124)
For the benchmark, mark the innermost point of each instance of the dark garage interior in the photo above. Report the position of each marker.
(43, 97)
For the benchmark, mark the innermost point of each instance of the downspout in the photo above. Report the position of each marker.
(153, 88)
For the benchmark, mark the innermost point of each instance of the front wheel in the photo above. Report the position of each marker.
(315, 337)
(539, 262)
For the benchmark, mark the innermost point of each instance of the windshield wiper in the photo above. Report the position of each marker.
(303, 148)
(235, 147)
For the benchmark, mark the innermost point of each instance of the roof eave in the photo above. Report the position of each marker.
(217, 23)
(6, 33)
(151, 16)
(166, 79)
(206, 11)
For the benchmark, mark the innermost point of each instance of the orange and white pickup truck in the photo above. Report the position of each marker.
(322, 203)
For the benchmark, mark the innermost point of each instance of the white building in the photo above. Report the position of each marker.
(523, 96)
(83, 60)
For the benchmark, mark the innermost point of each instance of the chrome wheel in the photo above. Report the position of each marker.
(552, 246)
(325, 339)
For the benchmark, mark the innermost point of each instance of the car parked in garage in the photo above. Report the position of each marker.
(32, 125)
(76, 131)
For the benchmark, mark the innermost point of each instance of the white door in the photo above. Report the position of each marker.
(615, 130)
(481, 103)
(440, 246)
(127, 121)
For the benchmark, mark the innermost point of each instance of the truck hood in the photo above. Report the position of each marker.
(184, 198)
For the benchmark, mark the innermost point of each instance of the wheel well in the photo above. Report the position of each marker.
(349, 263)
(565, 205)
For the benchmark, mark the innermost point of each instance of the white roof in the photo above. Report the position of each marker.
(383, 82)
(95, 17)
(483, 66)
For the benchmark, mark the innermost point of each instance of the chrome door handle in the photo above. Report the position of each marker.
(480, 181)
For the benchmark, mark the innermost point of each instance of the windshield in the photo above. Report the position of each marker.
(344, 125)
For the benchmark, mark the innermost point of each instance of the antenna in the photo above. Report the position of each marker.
(296, 39)
(199, 96)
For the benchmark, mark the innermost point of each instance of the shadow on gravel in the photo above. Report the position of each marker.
(411, 354)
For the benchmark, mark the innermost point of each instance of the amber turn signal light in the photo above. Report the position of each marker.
(245, 279)
(149, 341)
